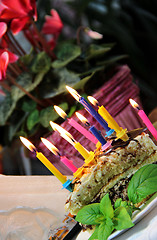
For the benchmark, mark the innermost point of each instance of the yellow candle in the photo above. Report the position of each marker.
(88, 161)
(81, 150)
(120, 132)
(50, 166)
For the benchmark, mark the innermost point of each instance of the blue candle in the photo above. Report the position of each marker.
(91, 110)
(98, 135)
(96, 115)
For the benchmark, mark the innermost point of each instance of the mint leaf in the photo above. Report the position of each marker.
(143, 183)
(120, 203)
(105, 229)
(117, 203)
(89, 214)
(95, 234)
(106, 206)
(122, 219)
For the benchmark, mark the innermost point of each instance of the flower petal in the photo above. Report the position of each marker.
(4, 60)
(53, 23)
(12, 57)
(19, 6)
(3, 28)
(18, 24)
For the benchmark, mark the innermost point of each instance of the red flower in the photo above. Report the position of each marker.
(6, 57)
(3, 28)
(53, 24)
(4, 61)
(18, 12)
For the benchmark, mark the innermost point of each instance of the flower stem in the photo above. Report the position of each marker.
(78, 34)
(5, 86)
(12, 46)
(14, 70)
(13, 39)
(41, 39)
(12, 80)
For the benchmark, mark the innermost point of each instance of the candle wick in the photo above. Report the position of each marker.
(97, 104)
(87, 124)
(58, 153)
(34, 150)
(73, 140)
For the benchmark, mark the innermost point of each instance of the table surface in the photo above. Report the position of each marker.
(46, 191)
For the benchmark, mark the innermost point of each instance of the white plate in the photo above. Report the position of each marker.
(25, 223)
(137, 217)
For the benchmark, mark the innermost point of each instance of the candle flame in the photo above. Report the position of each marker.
(60, 112)
(62, 132)
(28, 144)
(73, 92)
(56, 127)
(92, 100)
(81, 117)
(67, 136)
(50, 146)
(133, 103)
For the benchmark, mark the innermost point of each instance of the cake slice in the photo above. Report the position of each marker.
(109, 170)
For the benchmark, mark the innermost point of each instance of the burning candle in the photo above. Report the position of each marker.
(144, 118)
(55, 151)
(67, 136)
(47, 163)
(94, 131)
(91, 110)
(76, 125)
(120, 132)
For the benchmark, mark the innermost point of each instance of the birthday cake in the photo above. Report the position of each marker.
(110, 172)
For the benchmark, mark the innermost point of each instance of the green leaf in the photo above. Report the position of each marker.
(95, 51)
(117, 203)
(64, 77)
(27, 82)
(49, 114)
(27, 58)
(122, 219)
(32, 119)
(143, 183)
(106, 206)
(6, 108)
(89, 214)
(95, 233)
(112, 60)
(29, 106)
(72, 110)
(66, 52)
(16, 120)
(105, 229)
(80, 85)
(41, 63)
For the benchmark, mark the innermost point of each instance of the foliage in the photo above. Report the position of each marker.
(106, 217)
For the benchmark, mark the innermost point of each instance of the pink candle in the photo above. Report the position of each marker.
(68, 163)
(55, 151)
(145, 119)
(82, 130)
(148, 123)
(76, 125)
